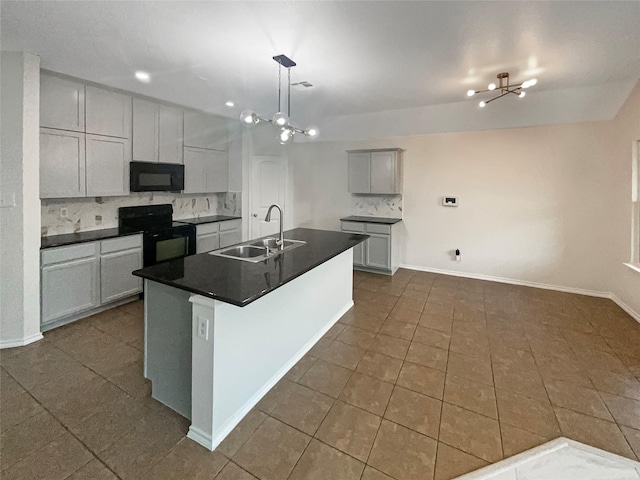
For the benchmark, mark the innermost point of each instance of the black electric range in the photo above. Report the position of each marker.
(162, 238)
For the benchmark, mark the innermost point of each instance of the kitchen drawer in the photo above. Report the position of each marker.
(378, 228)
(121, 243)
(207, 228)
(64, 254)
(230, 225)
(353, 226)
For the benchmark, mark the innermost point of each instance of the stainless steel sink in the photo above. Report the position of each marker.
(257, 250)
(271, 243)
(244, 251)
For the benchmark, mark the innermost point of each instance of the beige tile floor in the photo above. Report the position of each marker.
(428, 376)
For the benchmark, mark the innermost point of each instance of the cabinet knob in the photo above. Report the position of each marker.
(255, 214)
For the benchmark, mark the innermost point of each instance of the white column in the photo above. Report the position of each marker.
(19, 199)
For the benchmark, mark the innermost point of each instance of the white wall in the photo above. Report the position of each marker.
(19, 180)
(623, 282)
(534, 202)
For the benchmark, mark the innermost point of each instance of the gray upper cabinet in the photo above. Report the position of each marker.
(194, 170)
(216, 171)
(205, 131)
(62, 164)
(216, 133)
(359, 173)
(107, 113)
(145, 131)
(375, 171)
(170, 134)
(107, 166)
(61, 103)
(157, 132)
(205, 171)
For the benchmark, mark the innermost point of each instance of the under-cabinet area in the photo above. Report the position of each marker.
(81, 279)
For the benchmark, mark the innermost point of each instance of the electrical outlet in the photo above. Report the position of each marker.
(64, 212)
(203, 328)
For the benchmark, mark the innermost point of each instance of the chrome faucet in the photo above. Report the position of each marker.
(280, 241)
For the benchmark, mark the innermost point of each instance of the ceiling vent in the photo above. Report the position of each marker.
(302, 85)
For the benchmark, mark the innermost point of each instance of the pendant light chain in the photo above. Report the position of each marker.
(289, 95)
(279, 85)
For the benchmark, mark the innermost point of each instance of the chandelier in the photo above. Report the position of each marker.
(504, 88)
(281, 120)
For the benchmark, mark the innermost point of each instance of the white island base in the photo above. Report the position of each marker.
(213, 362)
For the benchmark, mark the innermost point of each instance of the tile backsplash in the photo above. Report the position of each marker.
(377, 205)
(102, 212)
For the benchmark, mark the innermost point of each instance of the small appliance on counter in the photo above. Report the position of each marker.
(156, 177)
(162, 238)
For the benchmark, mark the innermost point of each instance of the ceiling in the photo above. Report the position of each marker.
(376, 63)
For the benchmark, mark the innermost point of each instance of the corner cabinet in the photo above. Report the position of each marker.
(380, 252)
(376, 172)
(83, 279)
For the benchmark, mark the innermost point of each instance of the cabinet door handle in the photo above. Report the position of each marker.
(255, 214)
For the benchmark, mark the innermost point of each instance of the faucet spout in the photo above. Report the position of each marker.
(280, 241)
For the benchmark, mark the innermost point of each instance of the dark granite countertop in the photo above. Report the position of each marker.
(239, 282)
(82, 237)
(209, 219)
(368, 219)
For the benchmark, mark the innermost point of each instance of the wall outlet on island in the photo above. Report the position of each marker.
(203, 328)
(64, 212)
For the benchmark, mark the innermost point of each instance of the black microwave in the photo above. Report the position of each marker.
(156, 177)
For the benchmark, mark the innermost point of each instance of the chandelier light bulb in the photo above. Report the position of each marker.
(285, 136)
(311, 132)
(471, 93)
(482, 104)
(492, 86)
(249, 118)
(522, 94)
(143, 76)
(533, 81)
(280, 120)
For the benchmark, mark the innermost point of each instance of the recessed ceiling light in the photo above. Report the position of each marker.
(230, 104)
(143, 76)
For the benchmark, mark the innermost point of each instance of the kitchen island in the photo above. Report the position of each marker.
(221, 332)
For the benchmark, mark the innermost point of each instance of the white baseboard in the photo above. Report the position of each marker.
(559, 288)
(21, 342)
(635, 315)
(202, 438)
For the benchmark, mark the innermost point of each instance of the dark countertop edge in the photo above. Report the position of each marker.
(371, 219)
(91, 236)
(207, 219)
(257, 296)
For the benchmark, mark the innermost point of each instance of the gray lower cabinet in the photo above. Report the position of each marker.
(379, 253)
(70, 281)
(212, 236)
(119, 257)
(79, 280)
